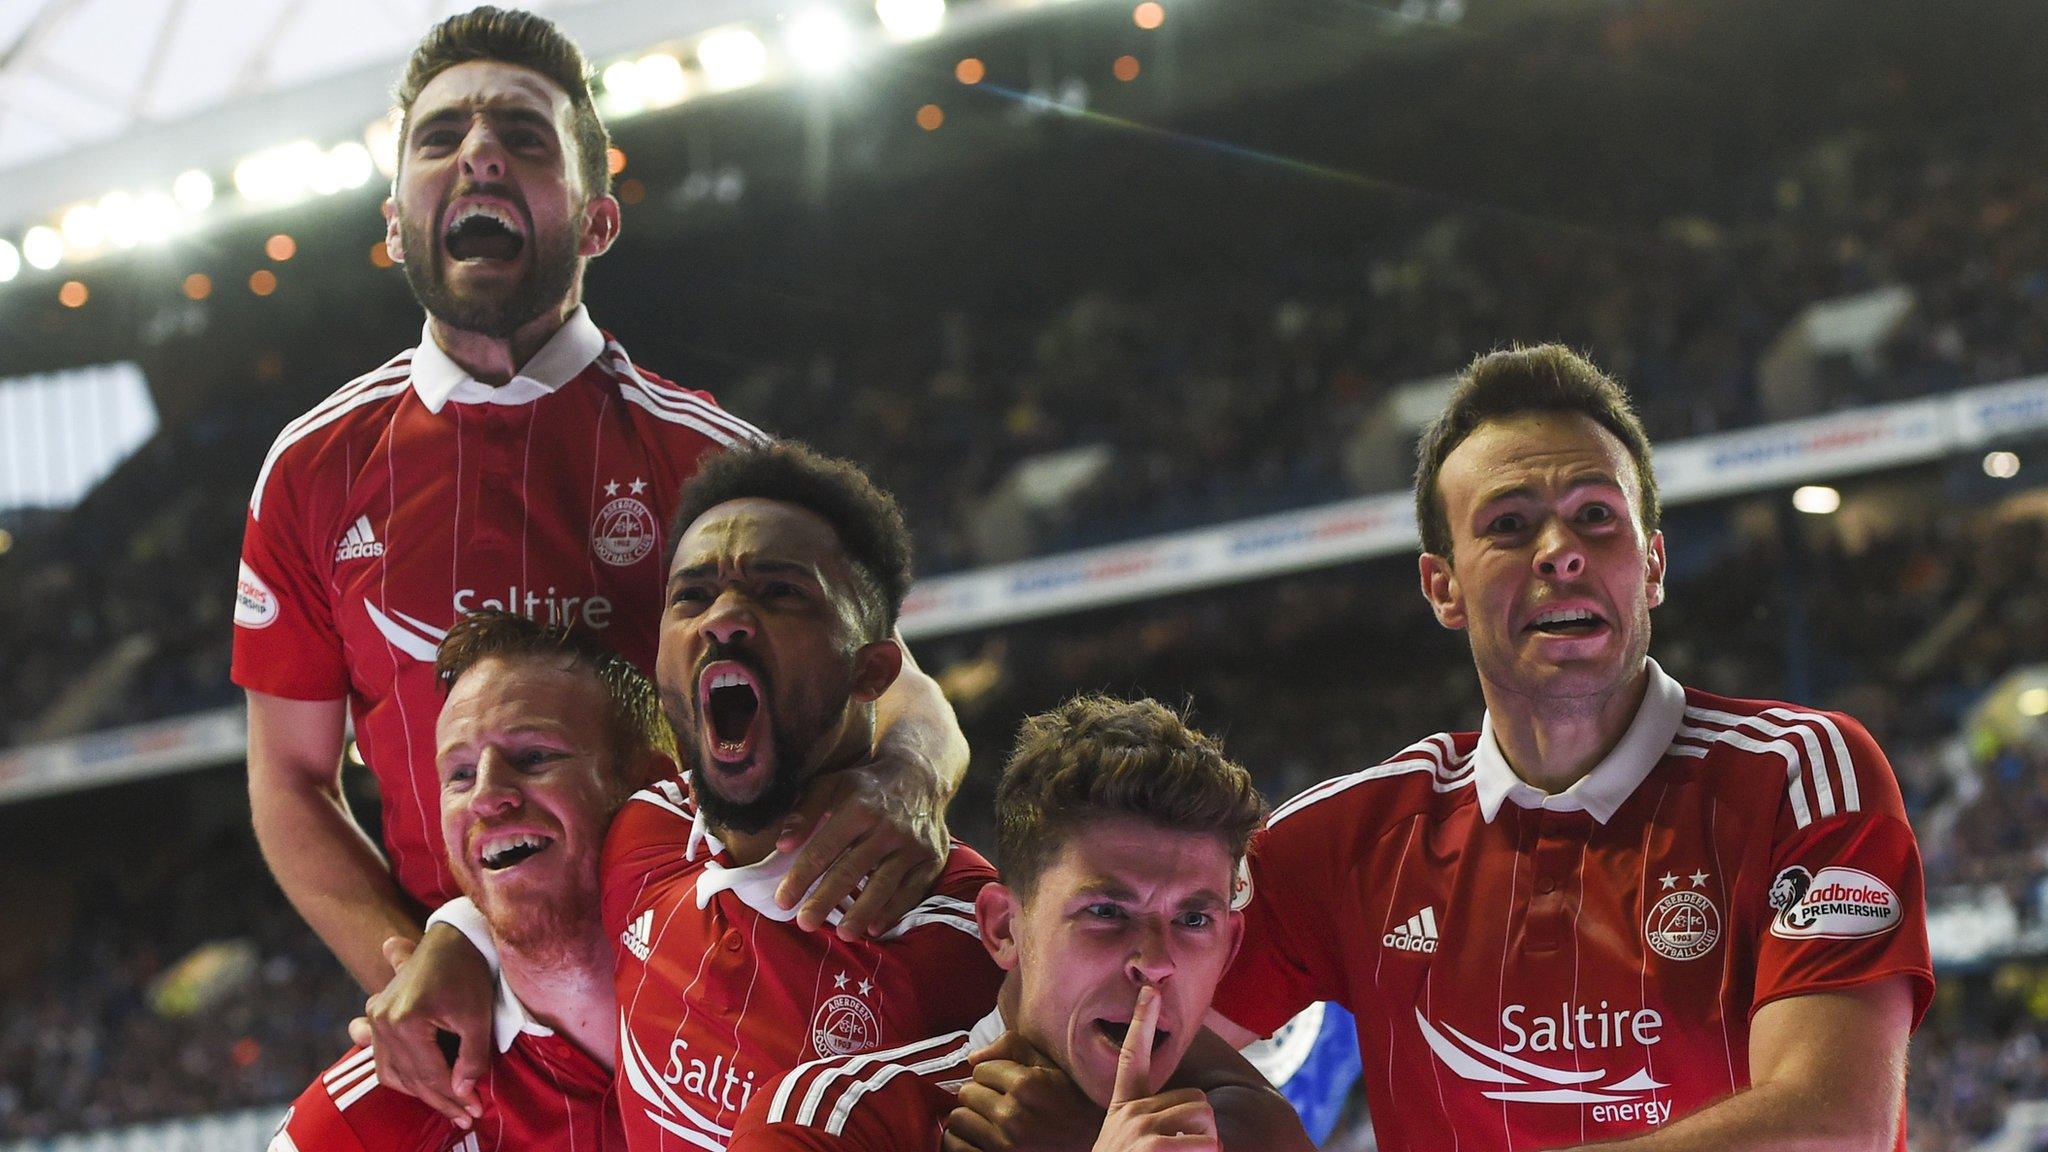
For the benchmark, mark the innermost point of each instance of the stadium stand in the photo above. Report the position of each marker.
(1887, 239)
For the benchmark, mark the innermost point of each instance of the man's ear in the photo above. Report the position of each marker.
(1440, 587)
(394, 243)
(996, 909)
(1654, 569)
(1236, 938)
(601, 223)
(875, 667)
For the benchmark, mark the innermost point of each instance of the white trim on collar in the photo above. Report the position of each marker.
(509, 1018)
(1602, 791)
(438, 379)
(987, 1030)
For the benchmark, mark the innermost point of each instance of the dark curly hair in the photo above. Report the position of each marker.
(866, 519)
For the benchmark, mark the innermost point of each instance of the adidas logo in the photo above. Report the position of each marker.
(1417, 935)
(359, 544)
(638, 935)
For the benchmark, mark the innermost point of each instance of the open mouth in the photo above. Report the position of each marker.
(1568, 622)
(500, 853)
(484, 232)
(729, 700)
(1116, 1030)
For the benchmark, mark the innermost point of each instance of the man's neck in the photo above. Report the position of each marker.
(571, 993)
(1553, 743)
(495, 360)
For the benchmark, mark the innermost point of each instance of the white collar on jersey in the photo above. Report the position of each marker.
(567, 353)
(987, 1030)
(755, 884)
(1600, 792)
(510, 1018)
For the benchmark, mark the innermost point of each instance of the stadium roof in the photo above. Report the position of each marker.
(100, 95)
(79, 72)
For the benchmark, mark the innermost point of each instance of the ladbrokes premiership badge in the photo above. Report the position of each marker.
(625, 530)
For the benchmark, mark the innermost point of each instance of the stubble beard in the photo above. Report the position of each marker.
(545, 285)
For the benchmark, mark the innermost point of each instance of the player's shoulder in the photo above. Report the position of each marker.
(663, 813)
(360, 404)
(346, 1109)
(965, 872)
(670, 404)
(1420, 776)
(1826, 761)
(888, 1098)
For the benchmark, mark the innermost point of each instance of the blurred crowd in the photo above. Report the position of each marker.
(1204, 399)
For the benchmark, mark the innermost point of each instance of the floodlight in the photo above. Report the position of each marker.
(662, 79)
(194, 190)
(82, 228)
(255, 178)
(381, 138)
(117, 216)
(2002, 465)
(732, 58)
(349, 164)
(10, 262)
(42, 247)
(820, 42)
(157, 217)
(309, 167)
(910, 19)
(622, 95)
(1816, 499)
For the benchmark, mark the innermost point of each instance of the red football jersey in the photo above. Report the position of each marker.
(1532, 971)
(720, 991)
(889, 1101)
(416, 494)
(542, 1094)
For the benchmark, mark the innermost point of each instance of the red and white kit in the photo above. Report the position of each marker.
(541, 1094)
(895, 1100)
(416, 494)
(1532, 971)
(720, 991)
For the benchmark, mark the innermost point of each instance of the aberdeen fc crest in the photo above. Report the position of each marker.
(625, 530)
(844, 1024)
(1684, 925)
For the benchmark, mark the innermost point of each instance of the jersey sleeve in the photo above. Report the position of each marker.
(286, 639)
(943, 937)
(1848, 901)
(346, 1110)
(647, 840)
(889, 1111)
(1288, 959)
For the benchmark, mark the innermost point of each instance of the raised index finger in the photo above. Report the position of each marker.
(1134, 1063)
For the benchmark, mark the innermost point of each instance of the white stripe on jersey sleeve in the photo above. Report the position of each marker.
(1815, 759)
(841, 1067)
(348, 1065)
(392, 386)
(680, 399)
(342, 1102)
(651, 796)
(1802, 814)
(1421, 757)
(636, 396)
(835, 1124)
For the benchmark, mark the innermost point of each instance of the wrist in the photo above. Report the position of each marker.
(465, 917)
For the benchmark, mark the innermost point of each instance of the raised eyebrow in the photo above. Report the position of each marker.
(1524, 491)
